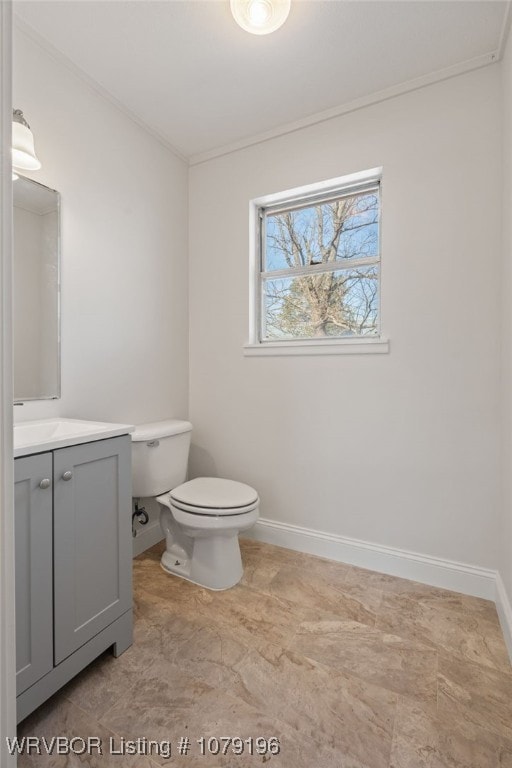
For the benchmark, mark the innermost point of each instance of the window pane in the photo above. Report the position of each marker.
(339, 303)
(346, 228)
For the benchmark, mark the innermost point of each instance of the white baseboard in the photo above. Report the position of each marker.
(147, 537)
(150, 534)
(435, 571)
(447, 574)
(504, 609)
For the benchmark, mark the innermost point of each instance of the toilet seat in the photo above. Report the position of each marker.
(214, 496)
(215, 523)
(213, 511)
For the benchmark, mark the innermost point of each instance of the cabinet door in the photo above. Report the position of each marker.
(92, 540)
(33, 531)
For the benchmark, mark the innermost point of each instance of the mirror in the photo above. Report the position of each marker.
(36, 297)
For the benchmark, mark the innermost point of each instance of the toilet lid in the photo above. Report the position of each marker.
(214, 493)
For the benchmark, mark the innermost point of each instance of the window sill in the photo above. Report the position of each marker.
(335, 347)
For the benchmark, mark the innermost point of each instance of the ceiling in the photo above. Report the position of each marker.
(193, 77)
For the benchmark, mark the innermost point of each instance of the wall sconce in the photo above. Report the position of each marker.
(260, 16)
(23, 153)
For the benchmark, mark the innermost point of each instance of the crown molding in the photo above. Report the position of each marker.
(351, 106)
(408, 86)
(61, 58)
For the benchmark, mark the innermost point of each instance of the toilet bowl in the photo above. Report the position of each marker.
(210, 512)
(201, 518)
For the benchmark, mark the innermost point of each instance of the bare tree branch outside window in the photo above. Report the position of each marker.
(321, 269)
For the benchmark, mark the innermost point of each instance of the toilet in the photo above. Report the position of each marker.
(201, 518)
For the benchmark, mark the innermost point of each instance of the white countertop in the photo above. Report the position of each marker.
(47, 434)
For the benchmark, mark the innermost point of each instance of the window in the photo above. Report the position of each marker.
(318, 264)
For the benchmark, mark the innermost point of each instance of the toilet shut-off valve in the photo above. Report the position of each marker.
(141, 516)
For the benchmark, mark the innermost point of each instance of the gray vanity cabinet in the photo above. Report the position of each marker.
(93, 541)
(34, 568)
(73, 563)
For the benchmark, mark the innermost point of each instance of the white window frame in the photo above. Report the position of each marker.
(310, 193)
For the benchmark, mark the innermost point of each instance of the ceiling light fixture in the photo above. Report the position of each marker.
(23, 153)
(260, 16)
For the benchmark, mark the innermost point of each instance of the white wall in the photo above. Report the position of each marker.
(7, 619)
(399, 449)
(124, 249)
(506, 361)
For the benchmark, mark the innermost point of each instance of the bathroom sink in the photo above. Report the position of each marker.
(47, 434)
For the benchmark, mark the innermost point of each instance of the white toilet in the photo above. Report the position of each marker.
(201, 518)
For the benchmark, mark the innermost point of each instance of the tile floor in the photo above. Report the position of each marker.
(348, 668)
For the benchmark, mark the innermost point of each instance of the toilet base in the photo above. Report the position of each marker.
(215, 563)
(173, 563)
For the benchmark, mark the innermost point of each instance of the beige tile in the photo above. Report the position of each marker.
(318, 591)
(423, 741)
(456, 750)
(254, 552)
(253, 549)
(300, 751)
(329, 569)
(475, 696)
(444, 598)
(166, 627)
(160, 705)
(60, 717)
(365, 578)
(422, 593)
(505, 754)
(468, 635)
(293, 652)
(170, 704)
(259, 572)
(100, 685)
(400, 665)
(160, 635)
(254, 617)
(296, 751)
(151, 579)
(211, 655)
(415, 737)
(169, 595)
(341, 712)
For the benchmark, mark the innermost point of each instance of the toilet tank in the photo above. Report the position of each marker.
(159, 456)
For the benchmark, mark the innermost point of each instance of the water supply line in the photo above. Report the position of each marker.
(140, 515)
